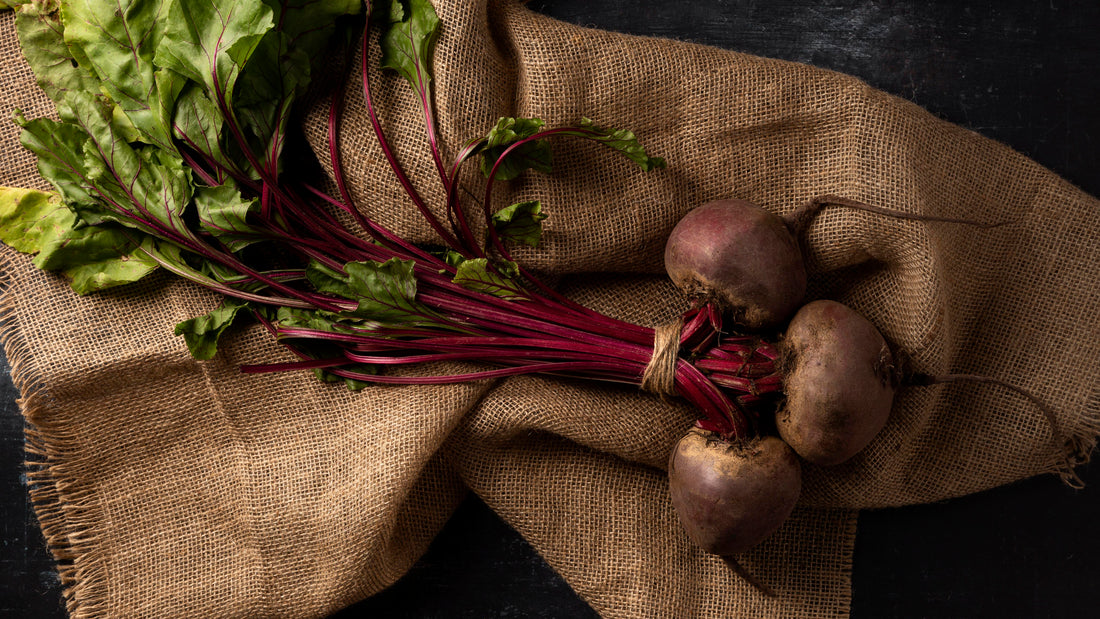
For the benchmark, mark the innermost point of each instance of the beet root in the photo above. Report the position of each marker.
(739, 257)
(839, 383)
(729, 496)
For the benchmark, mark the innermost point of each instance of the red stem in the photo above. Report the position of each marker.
(388, 152)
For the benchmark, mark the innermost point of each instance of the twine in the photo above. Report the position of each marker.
(659, 376)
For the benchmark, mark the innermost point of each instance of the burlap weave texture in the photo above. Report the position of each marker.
(175, 488)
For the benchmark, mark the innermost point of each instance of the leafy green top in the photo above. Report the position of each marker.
(173, 118)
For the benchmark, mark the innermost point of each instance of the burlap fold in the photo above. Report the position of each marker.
(168, 487)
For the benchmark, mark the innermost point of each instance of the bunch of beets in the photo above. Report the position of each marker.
(168, 155)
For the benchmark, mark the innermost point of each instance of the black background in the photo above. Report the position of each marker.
(1022, 72)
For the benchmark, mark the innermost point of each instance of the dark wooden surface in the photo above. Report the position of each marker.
(1019, 71)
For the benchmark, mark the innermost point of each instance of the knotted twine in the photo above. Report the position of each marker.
(659, 376)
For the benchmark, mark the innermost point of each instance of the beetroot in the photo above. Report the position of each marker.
(730, 495)
(739, 257)
(748, 261)
(839, 382)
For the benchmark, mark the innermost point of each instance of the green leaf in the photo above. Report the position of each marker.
(123, 126)
(318, 349)
(209, 41)
(117, 41)
(499, 281)
(224, 214)
(121, 260)
(41, 37)
(520, 222)
(147, 188)
(60, 151)
(306, 319)
(283, 62)
(385, 291)
(93, 258)
(203, 332)
(534, 155)
(199, 123)
(450, 257)
(351, 383)
(189, 266)
(27, 216)
(265, 92)
(284, 59)
(623, 141)
(408, 40)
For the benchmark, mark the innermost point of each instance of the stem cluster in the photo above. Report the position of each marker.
(531, 329)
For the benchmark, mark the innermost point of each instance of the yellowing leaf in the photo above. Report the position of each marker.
(92, 257)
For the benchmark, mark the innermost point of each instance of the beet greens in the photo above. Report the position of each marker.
(176, 162)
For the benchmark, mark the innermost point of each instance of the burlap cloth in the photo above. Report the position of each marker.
(169, 488)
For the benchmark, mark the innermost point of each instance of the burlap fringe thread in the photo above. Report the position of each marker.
(69, 525)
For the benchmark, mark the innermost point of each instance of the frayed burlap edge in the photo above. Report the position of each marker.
(848, 557)
(1081, 445)
(66, 508)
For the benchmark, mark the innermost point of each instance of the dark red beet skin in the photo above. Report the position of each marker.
(740, 257)
(729, 496)
(839, 386)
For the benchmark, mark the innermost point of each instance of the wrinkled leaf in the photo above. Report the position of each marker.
(117, 41)
(450, 257)
(476, 275)
(281, 66)
(266, 90)
(199, 123)
(93, 258)
(305, 319)
(203, 332)
(385, 291)
(209, 43)
(224, 214)
(534, 155)
(520, 222)
(41, 37)
(624, 141)
(60, 151)
(283, 61)
(147, 188)
(28, 216)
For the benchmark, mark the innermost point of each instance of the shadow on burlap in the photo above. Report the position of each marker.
(168, 487)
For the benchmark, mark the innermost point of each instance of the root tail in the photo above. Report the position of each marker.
(748, 577)
(1070, 448)
(798, 220)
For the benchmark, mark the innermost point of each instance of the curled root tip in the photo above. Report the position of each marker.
(748, 577)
